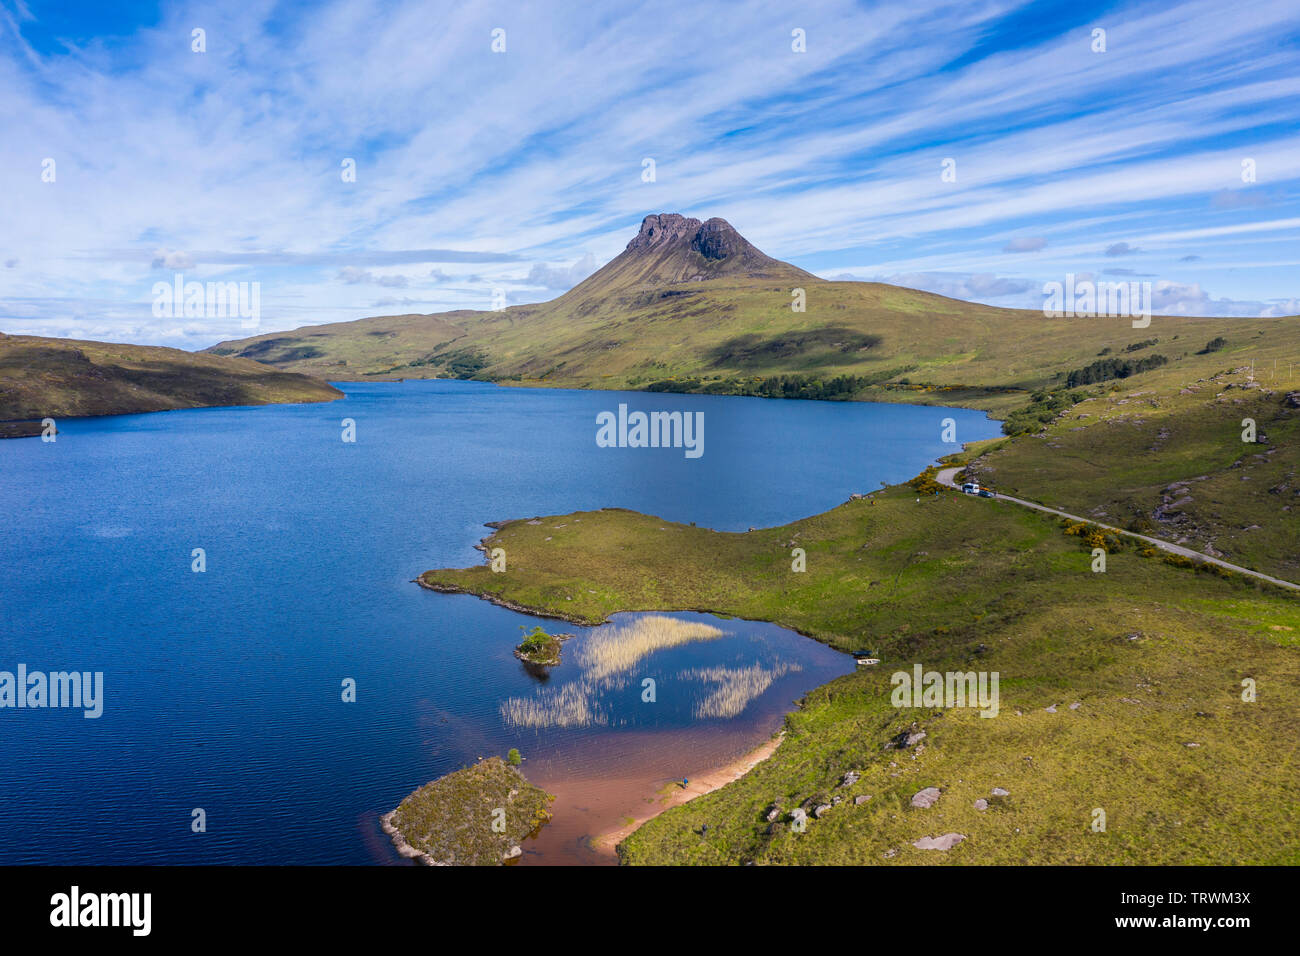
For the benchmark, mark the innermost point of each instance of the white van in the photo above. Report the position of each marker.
(971, 488)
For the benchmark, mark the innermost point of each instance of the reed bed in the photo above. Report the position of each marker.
(737, 686)
(617, 649)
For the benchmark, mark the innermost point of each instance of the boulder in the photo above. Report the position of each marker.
(945, 842)
(924, 799)
(906, 739)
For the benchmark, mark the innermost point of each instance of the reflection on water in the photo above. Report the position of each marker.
(615, 650)
(606, 657)
(608, 747)
(737, 686)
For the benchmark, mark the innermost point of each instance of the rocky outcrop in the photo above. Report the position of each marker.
(945, 842)
(664, 229)
(716, 239)
(671, 248)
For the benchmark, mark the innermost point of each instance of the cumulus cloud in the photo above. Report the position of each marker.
(171, 259)
(561, 277)
(548, 174)
(403, 301)
(1168, 298)
(1025, 244)
(969, 286)
(1281, 308)
(1177, 298)
(354, 276)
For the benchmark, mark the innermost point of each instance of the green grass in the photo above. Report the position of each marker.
(1121, 455)
(969, 584)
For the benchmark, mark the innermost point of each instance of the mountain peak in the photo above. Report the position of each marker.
(671, 248)
(715, 239)
(663, 228)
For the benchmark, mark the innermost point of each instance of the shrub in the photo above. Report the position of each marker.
(1105, 369)
(925, 483)
(1044, 406)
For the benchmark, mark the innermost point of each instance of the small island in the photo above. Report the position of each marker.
(476, 816)
(539, 648)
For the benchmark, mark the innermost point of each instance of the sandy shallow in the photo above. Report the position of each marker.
(675, 793)
(592, 814)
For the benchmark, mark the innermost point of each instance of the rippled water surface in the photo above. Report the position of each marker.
(223, 689)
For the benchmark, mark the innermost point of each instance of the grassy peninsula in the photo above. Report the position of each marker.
(1153, 655)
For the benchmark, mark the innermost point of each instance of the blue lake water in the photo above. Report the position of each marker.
(223, 689)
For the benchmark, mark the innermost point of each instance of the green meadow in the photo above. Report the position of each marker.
(1154, 655)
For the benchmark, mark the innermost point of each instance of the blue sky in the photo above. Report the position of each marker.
(522, 170)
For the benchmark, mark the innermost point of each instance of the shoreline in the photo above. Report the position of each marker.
(606, 842)
(589, 622)
(13, 427)
(404, 849)
(508, 605)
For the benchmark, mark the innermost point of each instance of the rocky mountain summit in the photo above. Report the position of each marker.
(671, 248)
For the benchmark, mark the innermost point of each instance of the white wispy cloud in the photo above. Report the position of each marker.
(477, 170)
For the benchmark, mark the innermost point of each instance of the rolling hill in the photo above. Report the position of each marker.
(64, 378)
(691, 306)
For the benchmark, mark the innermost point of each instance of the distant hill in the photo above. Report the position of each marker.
(64, 378)
(694, 306)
